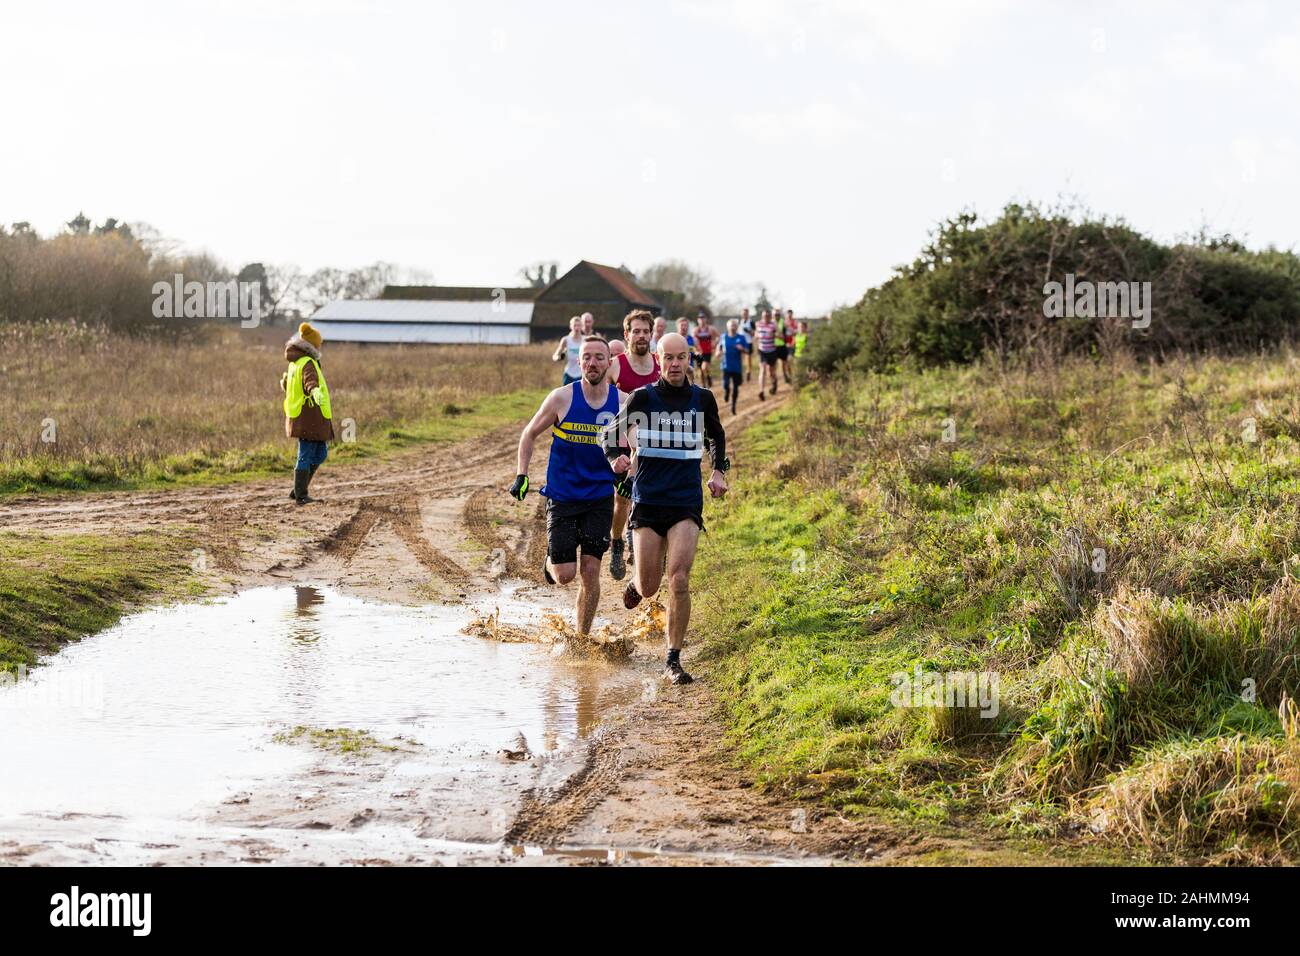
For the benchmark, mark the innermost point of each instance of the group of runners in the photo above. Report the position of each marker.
(629, 428)
(777, 338)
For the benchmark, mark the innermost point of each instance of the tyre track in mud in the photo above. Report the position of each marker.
(546, 815)
(523, 557)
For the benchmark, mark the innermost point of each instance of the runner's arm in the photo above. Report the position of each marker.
(615, 439)
(713, 430)
(547, 416)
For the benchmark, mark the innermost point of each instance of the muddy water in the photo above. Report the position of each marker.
(170, 737)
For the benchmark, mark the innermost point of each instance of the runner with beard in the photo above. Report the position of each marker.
(637, 366)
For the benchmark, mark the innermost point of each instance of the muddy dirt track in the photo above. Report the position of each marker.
(656, 782)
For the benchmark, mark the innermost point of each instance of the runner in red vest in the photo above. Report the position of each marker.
(636, 367)
(705, 337)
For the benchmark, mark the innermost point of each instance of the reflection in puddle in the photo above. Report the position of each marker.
(616, 855)
(181, 704)
(595, 854)
(306, 600)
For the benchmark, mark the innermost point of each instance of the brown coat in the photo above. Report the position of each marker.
(310, 424)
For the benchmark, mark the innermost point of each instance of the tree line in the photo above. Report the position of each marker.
(104, 274)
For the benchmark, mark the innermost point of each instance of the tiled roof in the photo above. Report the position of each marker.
(622, 284)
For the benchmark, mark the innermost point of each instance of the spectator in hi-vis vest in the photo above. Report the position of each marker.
(307, 415)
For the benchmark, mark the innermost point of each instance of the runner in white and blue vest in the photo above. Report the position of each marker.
(579, 480)
(668, 426)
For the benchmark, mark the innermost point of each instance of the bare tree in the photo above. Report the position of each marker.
(539, 281)
(325, 285)
(282, 285)
(369, 281)
(694, 285)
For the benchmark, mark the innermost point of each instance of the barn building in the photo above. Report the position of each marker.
(604, 291)
(476, 321)
(480, 315)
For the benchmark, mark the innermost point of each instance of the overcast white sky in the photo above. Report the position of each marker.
(809, 145)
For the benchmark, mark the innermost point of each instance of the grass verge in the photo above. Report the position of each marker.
(1059, 602)
(57, 589)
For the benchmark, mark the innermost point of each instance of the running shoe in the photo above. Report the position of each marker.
(616, 566)
(674, 674)
(631, 596)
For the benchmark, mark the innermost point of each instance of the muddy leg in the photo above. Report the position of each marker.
(622, 508)
(682, 539)
(650, 561)
(588, 593)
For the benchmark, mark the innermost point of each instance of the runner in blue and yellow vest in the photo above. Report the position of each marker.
(579, 480)
(307, 413)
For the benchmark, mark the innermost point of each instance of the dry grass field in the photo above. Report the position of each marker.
(83, 408)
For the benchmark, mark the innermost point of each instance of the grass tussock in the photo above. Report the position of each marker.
(1235, 797)
(1117, 541)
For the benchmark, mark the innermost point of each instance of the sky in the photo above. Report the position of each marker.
(810, 146)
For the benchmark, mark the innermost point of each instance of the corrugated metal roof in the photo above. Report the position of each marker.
(503, 312)
(461, 293)
(481, 333)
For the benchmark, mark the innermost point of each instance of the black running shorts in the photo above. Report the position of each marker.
(768, 358)
(659, 518)
(571, 525)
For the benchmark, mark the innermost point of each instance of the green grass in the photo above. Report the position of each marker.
(58, 589)
(339, 740)
(453, 422)
(1103, 539)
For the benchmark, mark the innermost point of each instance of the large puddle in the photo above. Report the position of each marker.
(193, 733)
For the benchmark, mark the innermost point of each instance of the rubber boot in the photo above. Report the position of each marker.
(310, 475)
(301, 477)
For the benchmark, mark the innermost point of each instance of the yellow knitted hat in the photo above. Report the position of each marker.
(309, 334)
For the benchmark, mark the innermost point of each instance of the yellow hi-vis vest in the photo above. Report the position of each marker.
(294, 397)
(800, 343)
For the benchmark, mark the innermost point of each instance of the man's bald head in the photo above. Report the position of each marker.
(672, 342)
(674, 358)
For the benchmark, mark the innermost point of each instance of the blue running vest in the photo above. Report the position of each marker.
(578, 469)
